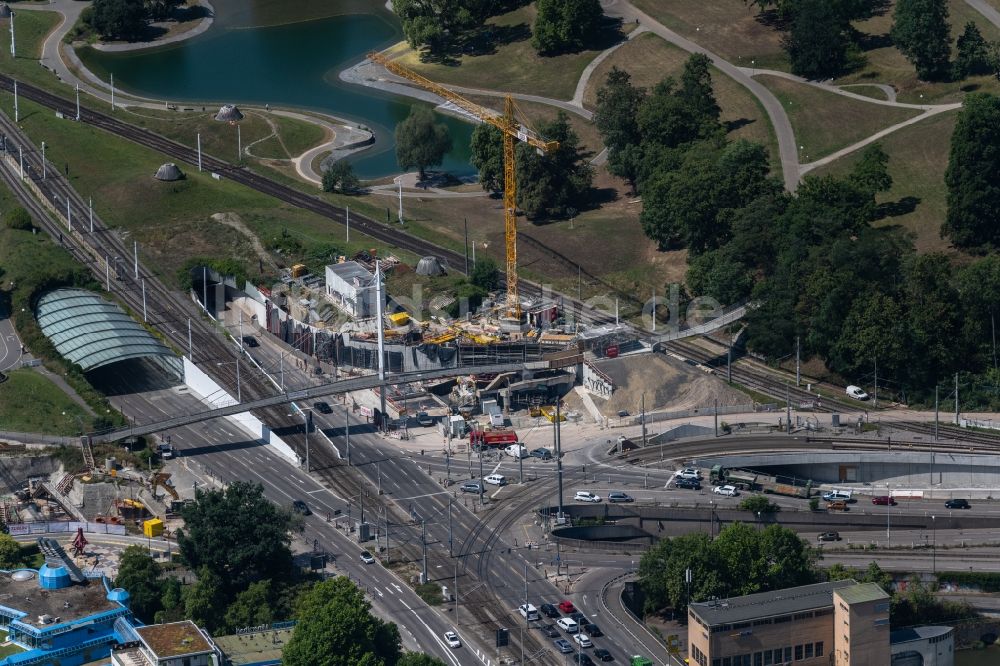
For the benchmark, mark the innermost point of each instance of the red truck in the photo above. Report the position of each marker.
(493, 438)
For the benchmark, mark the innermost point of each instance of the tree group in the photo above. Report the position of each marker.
(421, 142)
(566, 25)
(126, 19)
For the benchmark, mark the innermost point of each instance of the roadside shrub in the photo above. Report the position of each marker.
(18, 218)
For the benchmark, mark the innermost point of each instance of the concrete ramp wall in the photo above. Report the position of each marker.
(212, 394)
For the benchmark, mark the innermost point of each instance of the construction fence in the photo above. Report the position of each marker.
(62, 526)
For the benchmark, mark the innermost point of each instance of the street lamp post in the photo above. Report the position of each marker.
(934, 545)
(888, 512)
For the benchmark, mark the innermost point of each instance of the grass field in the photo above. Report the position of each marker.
(649, 59)
(825, 122)
(171, 221)
(29, 34)
(918, 156)
(513, 67)
(534, 113)
(728, 28)
(30, 402)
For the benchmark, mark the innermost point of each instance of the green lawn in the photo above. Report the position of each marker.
(514, 67)
(29, 402)
(649, 59)
(728, 28)
(7, 650)
(30, 31)
(918, 156)
(825, 122)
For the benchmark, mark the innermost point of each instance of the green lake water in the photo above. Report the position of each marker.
(988, 657)
(293, 65)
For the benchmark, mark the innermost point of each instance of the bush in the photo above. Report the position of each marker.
(18, 218)
(430, 593)
(759, 504)
(814, 504)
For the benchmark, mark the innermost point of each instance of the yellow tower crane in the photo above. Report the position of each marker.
(512, 130)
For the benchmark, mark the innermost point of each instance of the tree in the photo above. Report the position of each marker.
(485, 274)
(420, 142)
(758, 504)
(119, 19)
(205, 601)
(874, 331)
(419, 659)
(618, 103)
(237, 534)
(973, 53)
(871, 173)
(921, 32)
(549, 184)
(10, 552)
(252, 607)
(340, 176)
(438, 24)
(817, 42)
(566, 25)
(139, 574)
(17, 218)
(159, 10)
(973, 174)
(336, 628)
(696, 89)
(718, 275)
(487, 156)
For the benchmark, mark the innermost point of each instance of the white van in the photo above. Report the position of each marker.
(496, 480)
(528, 611)
(516, 451)
(838, 496)
(568, 625)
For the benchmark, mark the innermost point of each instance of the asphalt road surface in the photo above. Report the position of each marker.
(10, 345)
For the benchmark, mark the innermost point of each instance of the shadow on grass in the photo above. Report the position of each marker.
(897, 208)
(733, 125)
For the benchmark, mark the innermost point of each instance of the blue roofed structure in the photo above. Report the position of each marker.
(92, 332)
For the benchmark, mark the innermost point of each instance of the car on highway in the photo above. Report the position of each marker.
(586, 496)
(300, 507)
(583, 659)
(579, 618)
(425, 419)
(856, 392)
(619, 496)
(603, 655)
(541, 453)
(250, 341)
(549, 630)
(548, 610)
(592, 630)
(528, 611)
(838, 496)
(839, 505)
(728, 491)
(451, 638)
(957, 504)
(496, 480)
(367, 557)
(688, 484)
(829, 536)
(322, 408)
(688, 473)
(472, 487)
(567, 607)
(568, 625)
(583, 640)
(563, 645)
(883, 500)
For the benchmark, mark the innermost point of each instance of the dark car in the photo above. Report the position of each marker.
(322, 408)
(472, 487)
(549, 630)
(618, 496)
(541, 454)
(592, 630)
(250, 341)
(603, 654)
(689, 484)
(957, 504)
(883, 500)
(298, 506)
(425, 419)
(579, 618)
(829, 536)
(583, 659)
(548, 610)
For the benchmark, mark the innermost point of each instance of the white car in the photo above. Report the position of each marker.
(496, 480)
(583, 640)
(728, 491)
(568, 625)
(451, 638)
(585, 496)
(689, 473)
(857, 393)
(367, 558)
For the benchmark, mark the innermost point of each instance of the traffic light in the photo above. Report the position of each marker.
(503, 638)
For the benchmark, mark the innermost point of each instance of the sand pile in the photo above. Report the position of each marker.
(668, 384)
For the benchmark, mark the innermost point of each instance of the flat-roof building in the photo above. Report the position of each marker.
(171, 644)
(351, 287)
(844, 623)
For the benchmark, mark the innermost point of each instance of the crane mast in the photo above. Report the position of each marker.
(512, 131)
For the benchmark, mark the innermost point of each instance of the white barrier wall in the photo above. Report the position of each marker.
(211, 393)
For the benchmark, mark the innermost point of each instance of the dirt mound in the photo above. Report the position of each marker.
(668, 384)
